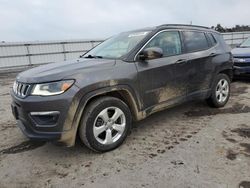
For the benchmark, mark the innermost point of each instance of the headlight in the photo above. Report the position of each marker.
(52, 88)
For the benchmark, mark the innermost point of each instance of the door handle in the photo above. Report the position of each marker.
(181, 61)
(213, 55)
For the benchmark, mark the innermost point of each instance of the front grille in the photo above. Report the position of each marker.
(20, 89)
(242, 57)
(242, 64)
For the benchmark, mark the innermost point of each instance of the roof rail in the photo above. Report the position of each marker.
(184, 25)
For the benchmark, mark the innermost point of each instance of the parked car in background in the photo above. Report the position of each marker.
(241, 56)
(126, 78)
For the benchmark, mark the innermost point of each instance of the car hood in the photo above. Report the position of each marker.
(241, 52)
(62, 70)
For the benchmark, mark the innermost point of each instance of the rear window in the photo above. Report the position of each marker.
(195, 41)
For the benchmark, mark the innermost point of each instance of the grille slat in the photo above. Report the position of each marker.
(20, 89)
(242, 64)
(25, 90)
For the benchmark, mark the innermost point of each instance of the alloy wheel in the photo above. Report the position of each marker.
(109, 125)
(222, 90)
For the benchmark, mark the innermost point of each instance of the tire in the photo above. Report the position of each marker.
(105, 124)
(220, 91)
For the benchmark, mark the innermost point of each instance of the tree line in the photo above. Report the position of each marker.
(236, 28)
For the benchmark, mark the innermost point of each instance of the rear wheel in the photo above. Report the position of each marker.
(105, 124)
(220, 91)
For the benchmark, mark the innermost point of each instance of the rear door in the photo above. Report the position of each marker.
(200, 67)
(157, 77)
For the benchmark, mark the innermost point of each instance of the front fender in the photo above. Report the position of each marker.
(79, 103)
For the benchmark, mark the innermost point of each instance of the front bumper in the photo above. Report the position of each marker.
(34, 121)
(39, 136)
(242, 71)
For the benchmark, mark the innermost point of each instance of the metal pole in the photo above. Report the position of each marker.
(232, 41)
(28, 53)
(92, 44)
(64, 52)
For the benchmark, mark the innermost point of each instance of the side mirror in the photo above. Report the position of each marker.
(150, 53)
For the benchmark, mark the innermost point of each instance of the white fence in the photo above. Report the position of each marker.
(32, 53)
(235, 38)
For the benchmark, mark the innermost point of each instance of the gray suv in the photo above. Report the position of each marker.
(124, 79)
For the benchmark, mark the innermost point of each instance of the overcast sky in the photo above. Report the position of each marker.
(27, 20)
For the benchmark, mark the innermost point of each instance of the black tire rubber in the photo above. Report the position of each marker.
(212, 100)
(85, 130)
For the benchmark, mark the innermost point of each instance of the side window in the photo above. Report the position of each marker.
(168, 41)
(212, 40)
(195, 41)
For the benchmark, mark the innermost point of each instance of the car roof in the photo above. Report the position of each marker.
(176, 26)
(183, 26)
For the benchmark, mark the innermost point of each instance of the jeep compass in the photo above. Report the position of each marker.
(124, 79)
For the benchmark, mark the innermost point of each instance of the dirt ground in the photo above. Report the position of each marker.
(191, 145)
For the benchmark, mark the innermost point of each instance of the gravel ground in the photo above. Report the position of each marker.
(191, 145)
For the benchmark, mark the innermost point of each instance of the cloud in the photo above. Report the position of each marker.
(23, 20)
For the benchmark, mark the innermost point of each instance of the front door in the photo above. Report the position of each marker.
(157, 77)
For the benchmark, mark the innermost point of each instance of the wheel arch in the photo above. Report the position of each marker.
(222, 69)
(228, 72)
(123, 94)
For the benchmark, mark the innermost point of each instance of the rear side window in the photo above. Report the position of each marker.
(212, 40)
(195, 41)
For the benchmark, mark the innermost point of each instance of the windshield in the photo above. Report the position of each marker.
(117, 46)
(246, 43)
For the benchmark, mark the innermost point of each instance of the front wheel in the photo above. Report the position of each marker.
(220, 91)
(105, 124)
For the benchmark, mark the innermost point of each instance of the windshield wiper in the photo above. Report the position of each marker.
(92, 56)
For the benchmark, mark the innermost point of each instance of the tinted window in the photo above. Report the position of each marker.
(168, 41)
(212, 40)
(195, 41)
